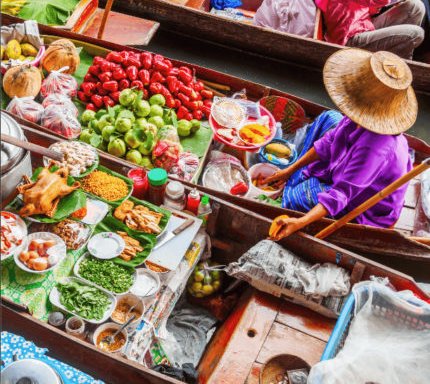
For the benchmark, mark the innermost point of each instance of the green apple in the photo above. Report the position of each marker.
(157, 100)
(126, 114)
(117, 147)
(195, 125)
(157, 121)
(142, 108)
(140, 123)
(85, 135)
(146, 162)
(184, 128)
(131, 138)
(156, 110)
(122, 125)
(107, 132)
(134, 156)
(103, 122)
(87, 116)
(127, 97)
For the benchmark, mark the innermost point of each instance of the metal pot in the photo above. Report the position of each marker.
(15, 161)
(30, 371)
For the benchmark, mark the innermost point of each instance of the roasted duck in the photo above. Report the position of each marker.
(43, 196)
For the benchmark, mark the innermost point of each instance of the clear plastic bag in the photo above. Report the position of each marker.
(166, 154)
(169, 132)
(26, 108)
(388, 341)
(61, 101)
(61, 121)
(59, 82)
(187, 166)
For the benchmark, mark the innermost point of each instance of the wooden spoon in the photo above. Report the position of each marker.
(32, 147)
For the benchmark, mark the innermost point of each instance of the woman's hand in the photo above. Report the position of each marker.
(277, 179)
(288, 225)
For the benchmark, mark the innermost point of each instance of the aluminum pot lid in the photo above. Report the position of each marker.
(10, 154)
(29, 371)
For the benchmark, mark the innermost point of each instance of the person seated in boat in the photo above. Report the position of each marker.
(291, 16)
(340, 168)
(360, 23)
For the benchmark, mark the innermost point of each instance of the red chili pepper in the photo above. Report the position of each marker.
(162, 67)
(178, 103)
(114, 57)
(98, 60)
(144, 76)
(186, 69)
(146, 60)
(188, 116)
(170, 102)
(158, 58)
(198, 114)
(123, 84)
(184, 98)
(145, 94)
(108, 102)
(88, 88)
(182, 111)
(106, 66)
(115, 96)
(137, 84)
(157, 77)
(124, 55)
(89, 78)
(185, 90)
(164, 91)
(185, 76)
(239, 189)
(100, 90)
(91, 107)
(105, 76)
(154, 88)
(111, 86)
(132, 72)
(94, 70)
(82, 96)
(194, 95)
(199, 86)
(119, 74)
(174, 71)
(207, 94)
(97, 100)
(168, 63)
(207, 103)
(194, 105)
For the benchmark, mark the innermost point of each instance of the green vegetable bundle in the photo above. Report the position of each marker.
(86, 301)
(107, 274)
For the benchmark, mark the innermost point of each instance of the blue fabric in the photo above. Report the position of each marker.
(301, 194)
(222, 4)
(12, 344)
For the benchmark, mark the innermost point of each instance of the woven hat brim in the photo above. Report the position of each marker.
(388, 113)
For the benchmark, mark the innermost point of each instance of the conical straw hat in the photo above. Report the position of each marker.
(372, 89)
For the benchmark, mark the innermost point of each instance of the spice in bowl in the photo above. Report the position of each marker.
(118, 341)
(106, 186)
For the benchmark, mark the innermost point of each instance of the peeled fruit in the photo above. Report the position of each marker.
(21, 81)
(279, 150)
(28, 50)
(61, 53)
(276, 228)
(13, 49)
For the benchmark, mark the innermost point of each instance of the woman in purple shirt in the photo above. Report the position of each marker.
(354, 160)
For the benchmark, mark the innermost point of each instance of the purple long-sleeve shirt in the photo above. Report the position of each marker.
(358, 163)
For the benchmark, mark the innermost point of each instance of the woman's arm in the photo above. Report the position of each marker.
(293, 224)
(309, 157)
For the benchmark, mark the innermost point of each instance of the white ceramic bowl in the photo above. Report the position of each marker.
(265, 170)
(114, 326)
(59, 250)
(131, 300)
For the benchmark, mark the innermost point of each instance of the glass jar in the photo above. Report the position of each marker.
(175, 196)
(75, 326)
(140, 182)
(157, 179)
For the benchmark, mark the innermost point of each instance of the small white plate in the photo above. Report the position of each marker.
(106, 245)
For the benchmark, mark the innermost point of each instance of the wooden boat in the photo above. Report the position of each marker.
(384, 244)
(192, 18)
(229, 357)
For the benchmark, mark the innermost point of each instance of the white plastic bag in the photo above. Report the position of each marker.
(59, 82)
(381, 347)
(26, 108)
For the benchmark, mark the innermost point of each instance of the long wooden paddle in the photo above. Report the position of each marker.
(108, 7)
(373, 200)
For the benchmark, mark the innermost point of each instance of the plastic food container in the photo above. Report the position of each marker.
(279, 162)
(147, 283)
(115, 327)
(265, 170)
(130, 300)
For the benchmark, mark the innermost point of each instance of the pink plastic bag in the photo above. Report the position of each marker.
(59, 82)
(60, 101)
(26, 108)
(165, 154)
(61, 121)
(187, 166)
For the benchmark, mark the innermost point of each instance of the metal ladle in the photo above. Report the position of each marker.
(111, 338)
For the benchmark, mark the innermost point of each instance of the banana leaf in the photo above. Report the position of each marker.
(198, 142)
(128, 181)
(50, 12)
